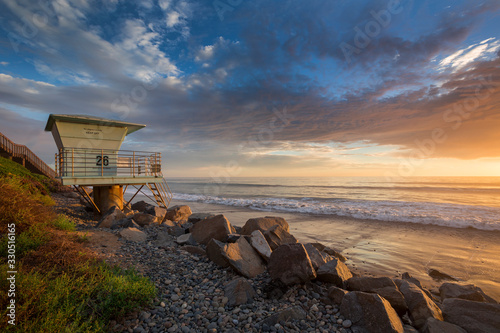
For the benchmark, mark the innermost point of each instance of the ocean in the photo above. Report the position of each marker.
(457, 202)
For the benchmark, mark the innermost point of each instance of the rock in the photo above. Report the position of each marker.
(176, 231)
(110, 216)
(259, 243)
(370, 313)
(144, 219)
(177, 213)
(469, 292)
(214, 253)
(217, 227)
(133, 234)
(233, 238)
(334, 271)
(408, 277)
(197, 217)
(194, 250)
(243, 258)
(383, 286)
(291, 264)
(123, 223)
(336, 294)
(317, 258)
(239, 291)
(168, 223)
(409, 329)
(433, 325)
(185, 239)
(158, 212)
(474, 317)
(277, 235)
(141, 206)
(292, 313)
(328, 250)
(438, 276)
(420, 306)
(263, 224)
(163, 240)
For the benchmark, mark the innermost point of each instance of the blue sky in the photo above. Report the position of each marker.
(276, 88)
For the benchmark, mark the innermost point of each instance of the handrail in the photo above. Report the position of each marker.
(105, 163)
(21, 151)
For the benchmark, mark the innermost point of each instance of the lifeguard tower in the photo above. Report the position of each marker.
(90, 155)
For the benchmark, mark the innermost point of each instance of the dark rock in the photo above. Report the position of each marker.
(370, 313)
(217, 227)
(438, 276)
(433, 325)
(291, 265)
(243, 258)
(277, 235)
(383, 286)
(233, 238)
(197, 217)
(409, 329)
(133, 234)
(214, 253)
(163, 240)
(239, 291)
(469, 292)
(194, 250)
(141, 206)
(156, 211)
(334, 271)
(176, 231)
(177, 213)
(292, 313)
(420, 306)
(474, 317)
(263, 224)
(317, 258)
(110, 216)
(336, 294)
(144, 219)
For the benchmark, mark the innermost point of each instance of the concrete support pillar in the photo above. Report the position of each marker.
(106, 197)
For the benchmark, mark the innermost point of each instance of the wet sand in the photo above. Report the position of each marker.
(379, 248)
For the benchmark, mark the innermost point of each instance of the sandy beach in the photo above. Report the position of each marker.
(378, 248)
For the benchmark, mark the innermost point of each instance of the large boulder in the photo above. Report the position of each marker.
(263, 224)
(111, 216)
(420, 306)
(336, 294)
(334, 271)
(217, 227)
(239, 291)
(291, 264)
(133, 234)
(318, 258)
(185, 239)
(158, 212)
(384, 286)
(144, 219)
(433, 325)
(243, 258)
(177, 213)
(197, 217)
(259, 243)
(469, 291)
(214, 253)
(370, 313)
(141, 206)
(474, 317)
(277, 235)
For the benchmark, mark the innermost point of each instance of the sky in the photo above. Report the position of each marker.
(236, 88)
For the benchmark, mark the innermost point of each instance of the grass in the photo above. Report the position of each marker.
(61, 286)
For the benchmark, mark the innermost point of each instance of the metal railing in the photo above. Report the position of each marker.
(23, 152)
(84, 162)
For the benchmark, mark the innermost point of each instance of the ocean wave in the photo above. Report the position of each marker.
(449, 215)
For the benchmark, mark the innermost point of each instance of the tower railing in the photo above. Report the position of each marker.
(93, 162)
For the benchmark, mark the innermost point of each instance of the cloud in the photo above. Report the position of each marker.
(461, 58)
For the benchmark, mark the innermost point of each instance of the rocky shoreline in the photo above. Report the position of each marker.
(213, 277)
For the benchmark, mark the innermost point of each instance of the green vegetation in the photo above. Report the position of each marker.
(61, 286)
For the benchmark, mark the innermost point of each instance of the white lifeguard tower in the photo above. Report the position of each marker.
(90, 155)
